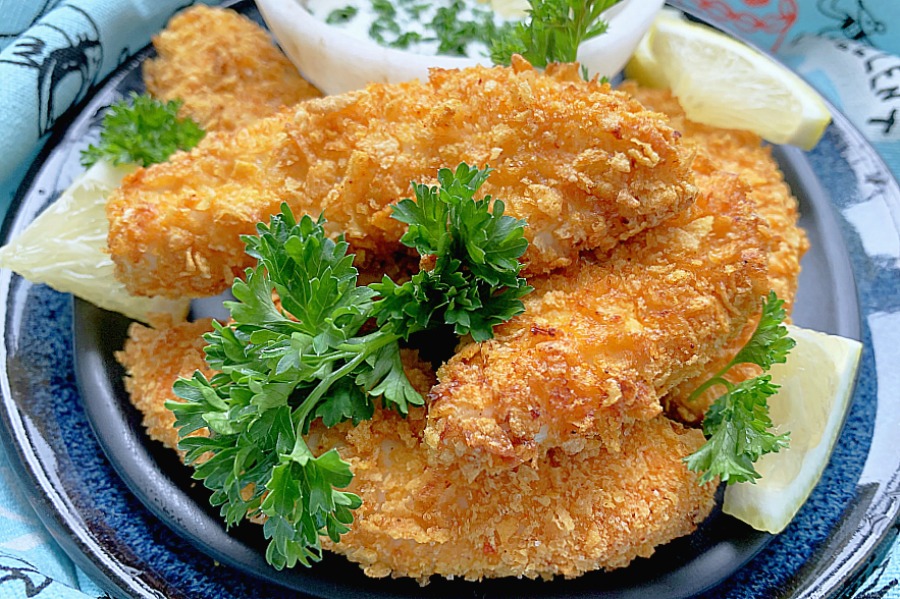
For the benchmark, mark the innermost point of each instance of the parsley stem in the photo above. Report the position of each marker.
(361, 350)
(718, 379)
(370, 343)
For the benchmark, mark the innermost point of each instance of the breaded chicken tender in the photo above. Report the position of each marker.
(742, 153)
(154, 359)
(561, 516)
(599, 344)
(586, 166)
(225, 69)
(155, 356)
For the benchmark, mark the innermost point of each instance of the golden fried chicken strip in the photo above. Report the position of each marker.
(154, 358)
(742, 153)
(225, 69)
(585, 165)
(599, 344)
(562, 516)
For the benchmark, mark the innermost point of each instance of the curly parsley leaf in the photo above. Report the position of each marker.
(474, 283)
(143, 131)
(279, 368)
(737, 424)
(737, 429)
(769, 344)
(553, 32)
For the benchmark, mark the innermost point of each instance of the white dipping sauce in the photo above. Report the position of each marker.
(420, 26)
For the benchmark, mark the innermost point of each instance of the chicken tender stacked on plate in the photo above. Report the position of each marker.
(224, 68)
(586, 166)
(562, 515)
(542, 452)
(600, 343)
(741, 153)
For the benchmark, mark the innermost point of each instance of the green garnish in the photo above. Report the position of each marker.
(341, 15)
(281, 369)
(737, 424)
(454, 33)
(142, 131)
(474, 284)
(385, 21)
(553, 32)
(449, 26)
(277, 375)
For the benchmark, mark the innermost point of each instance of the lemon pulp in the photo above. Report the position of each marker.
(724, 83)
(816, 384)
(65, 248)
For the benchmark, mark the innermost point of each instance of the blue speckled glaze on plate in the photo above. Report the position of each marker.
(847, 523)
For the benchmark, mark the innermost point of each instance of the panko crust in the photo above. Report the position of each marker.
(741, 153)
(224, 67)
(585, 165)
(599, 344)
(154, 358)
(562, 516)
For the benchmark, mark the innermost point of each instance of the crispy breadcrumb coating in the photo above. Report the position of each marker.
(224, 67)
(599, 344)
(742, 153)
(562, 516)
(586, 166)
(154, 358)
(542, 453)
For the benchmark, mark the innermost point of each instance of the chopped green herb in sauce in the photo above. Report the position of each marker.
(446, 27)
(341, 15)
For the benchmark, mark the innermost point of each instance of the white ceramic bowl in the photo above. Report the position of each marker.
(335, 62)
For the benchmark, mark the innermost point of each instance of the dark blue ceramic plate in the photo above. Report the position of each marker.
(128, 513)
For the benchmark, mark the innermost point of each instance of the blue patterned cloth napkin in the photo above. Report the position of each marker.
(52, 52)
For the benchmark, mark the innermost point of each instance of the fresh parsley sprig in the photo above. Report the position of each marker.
(737, 424)
(553, 32)
(278, 370)
(142, 130)
(281, 368)
(474, 284)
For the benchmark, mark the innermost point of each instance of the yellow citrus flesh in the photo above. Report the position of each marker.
(724, 83)
(816, 385)
(65, 248)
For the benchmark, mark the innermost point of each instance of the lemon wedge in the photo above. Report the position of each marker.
(816, 384)
(724, 83)
(65, 248)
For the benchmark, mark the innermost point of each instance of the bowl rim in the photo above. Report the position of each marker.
(312, 44)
